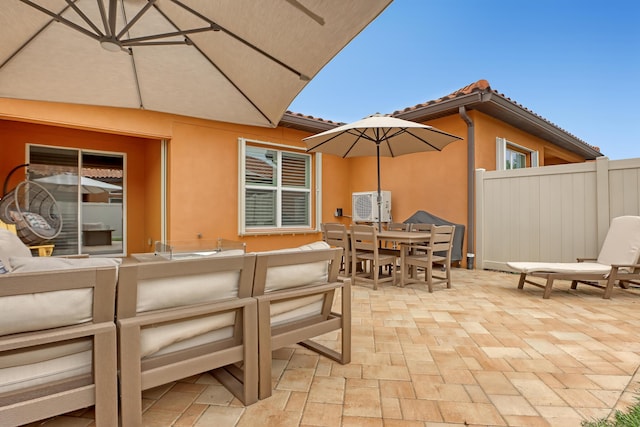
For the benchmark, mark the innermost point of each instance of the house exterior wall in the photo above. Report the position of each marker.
(202, 168)
(489, 128)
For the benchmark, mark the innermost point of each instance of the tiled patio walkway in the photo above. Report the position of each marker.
(482, 353)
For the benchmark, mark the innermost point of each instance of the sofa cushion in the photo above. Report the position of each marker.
(292, 276)
(26, 264)
(157, 337)
(11, 246)
(31, 312)
(47, 371)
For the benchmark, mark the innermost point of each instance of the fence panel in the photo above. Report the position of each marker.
(552, 213)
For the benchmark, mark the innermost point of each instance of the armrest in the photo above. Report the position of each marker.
(30, 339)
(585, 259)
(303, 291)
(171, 314)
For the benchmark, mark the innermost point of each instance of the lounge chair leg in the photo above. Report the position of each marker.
(574, 284)
(610, 282)
(547, 288)
(521, 281)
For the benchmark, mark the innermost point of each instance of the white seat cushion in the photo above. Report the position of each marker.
(560, 267)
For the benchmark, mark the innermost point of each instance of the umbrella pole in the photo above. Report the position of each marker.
(379, 189)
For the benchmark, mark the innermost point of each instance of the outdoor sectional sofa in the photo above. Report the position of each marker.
(223, 313)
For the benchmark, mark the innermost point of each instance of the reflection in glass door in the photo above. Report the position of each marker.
(88, 187)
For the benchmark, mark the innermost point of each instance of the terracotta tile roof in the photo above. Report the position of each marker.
(476, 96)
(484, 86)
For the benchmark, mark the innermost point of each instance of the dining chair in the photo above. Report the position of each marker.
(365, 247)
(425, 255)
(390, 247)
(335, 234)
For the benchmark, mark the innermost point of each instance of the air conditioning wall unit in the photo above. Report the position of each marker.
(365, 206)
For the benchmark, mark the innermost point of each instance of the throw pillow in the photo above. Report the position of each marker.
(10, 246)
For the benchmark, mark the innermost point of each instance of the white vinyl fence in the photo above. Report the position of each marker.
(551, 213)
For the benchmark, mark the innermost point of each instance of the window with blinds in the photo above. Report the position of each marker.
(277, 188)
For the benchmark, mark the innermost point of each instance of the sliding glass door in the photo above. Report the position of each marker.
(88, 187)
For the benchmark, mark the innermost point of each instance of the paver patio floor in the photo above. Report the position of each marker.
(482, 353)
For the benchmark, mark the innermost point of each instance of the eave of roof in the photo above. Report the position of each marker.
(476, 96)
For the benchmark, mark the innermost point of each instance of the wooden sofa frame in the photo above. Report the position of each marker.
(137, 375)
(99, 388)
(300, 331)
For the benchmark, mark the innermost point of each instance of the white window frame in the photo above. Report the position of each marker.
(501, 153)
(243, 230)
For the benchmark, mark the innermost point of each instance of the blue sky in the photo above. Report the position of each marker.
(574, 62)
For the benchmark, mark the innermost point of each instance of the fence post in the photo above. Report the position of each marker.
(479, 219)
(602, 198)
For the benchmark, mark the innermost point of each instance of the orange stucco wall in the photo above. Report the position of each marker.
(202, 182)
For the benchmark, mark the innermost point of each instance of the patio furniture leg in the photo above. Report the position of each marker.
(610, 282)
(547, 288)
(523, 276)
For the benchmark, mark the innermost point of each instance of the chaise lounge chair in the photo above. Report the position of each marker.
(617, 262)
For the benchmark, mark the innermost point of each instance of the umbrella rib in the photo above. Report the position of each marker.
(217, 27)
(213, 64)
(135, 19)
(86, 19)
(58, 18)
(111, 30)
(133, 66)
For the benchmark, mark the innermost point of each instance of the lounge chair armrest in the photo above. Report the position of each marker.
(585, 259)
(633, 266)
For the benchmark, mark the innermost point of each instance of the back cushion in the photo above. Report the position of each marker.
(178, 291)
(32, 312)
(622, 244)
(11, 246)
(291, 276)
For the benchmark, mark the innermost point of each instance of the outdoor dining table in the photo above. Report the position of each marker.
(403, 238)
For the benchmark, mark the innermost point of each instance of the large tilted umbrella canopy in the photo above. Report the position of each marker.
(238, 61)
(379, 135)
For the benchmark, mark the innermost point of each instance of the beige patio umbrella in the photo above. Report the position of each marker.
(70, 182)
(379, 135)
(238, 61)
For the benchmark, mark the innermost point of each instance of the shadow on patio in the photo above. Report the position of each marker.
(482, 353)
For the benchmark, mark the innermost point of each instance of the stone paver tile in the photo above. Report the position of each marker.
(526, 421)
(327, 390)
(263, 418)
(495, 383)
(191, 415)
(440, 392)
(174, 401)
(580, 398)
(476, 393)
(398, 389)
(362, 402)
(560, 416)
(215, 395)
(537, 392)
(610, 382)
(348, 421)
(513, 405)
(385, 372)
(420, 410)
(296, 380)
(391, 408)
(322, 414)
(471, 413)
(458, 376)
